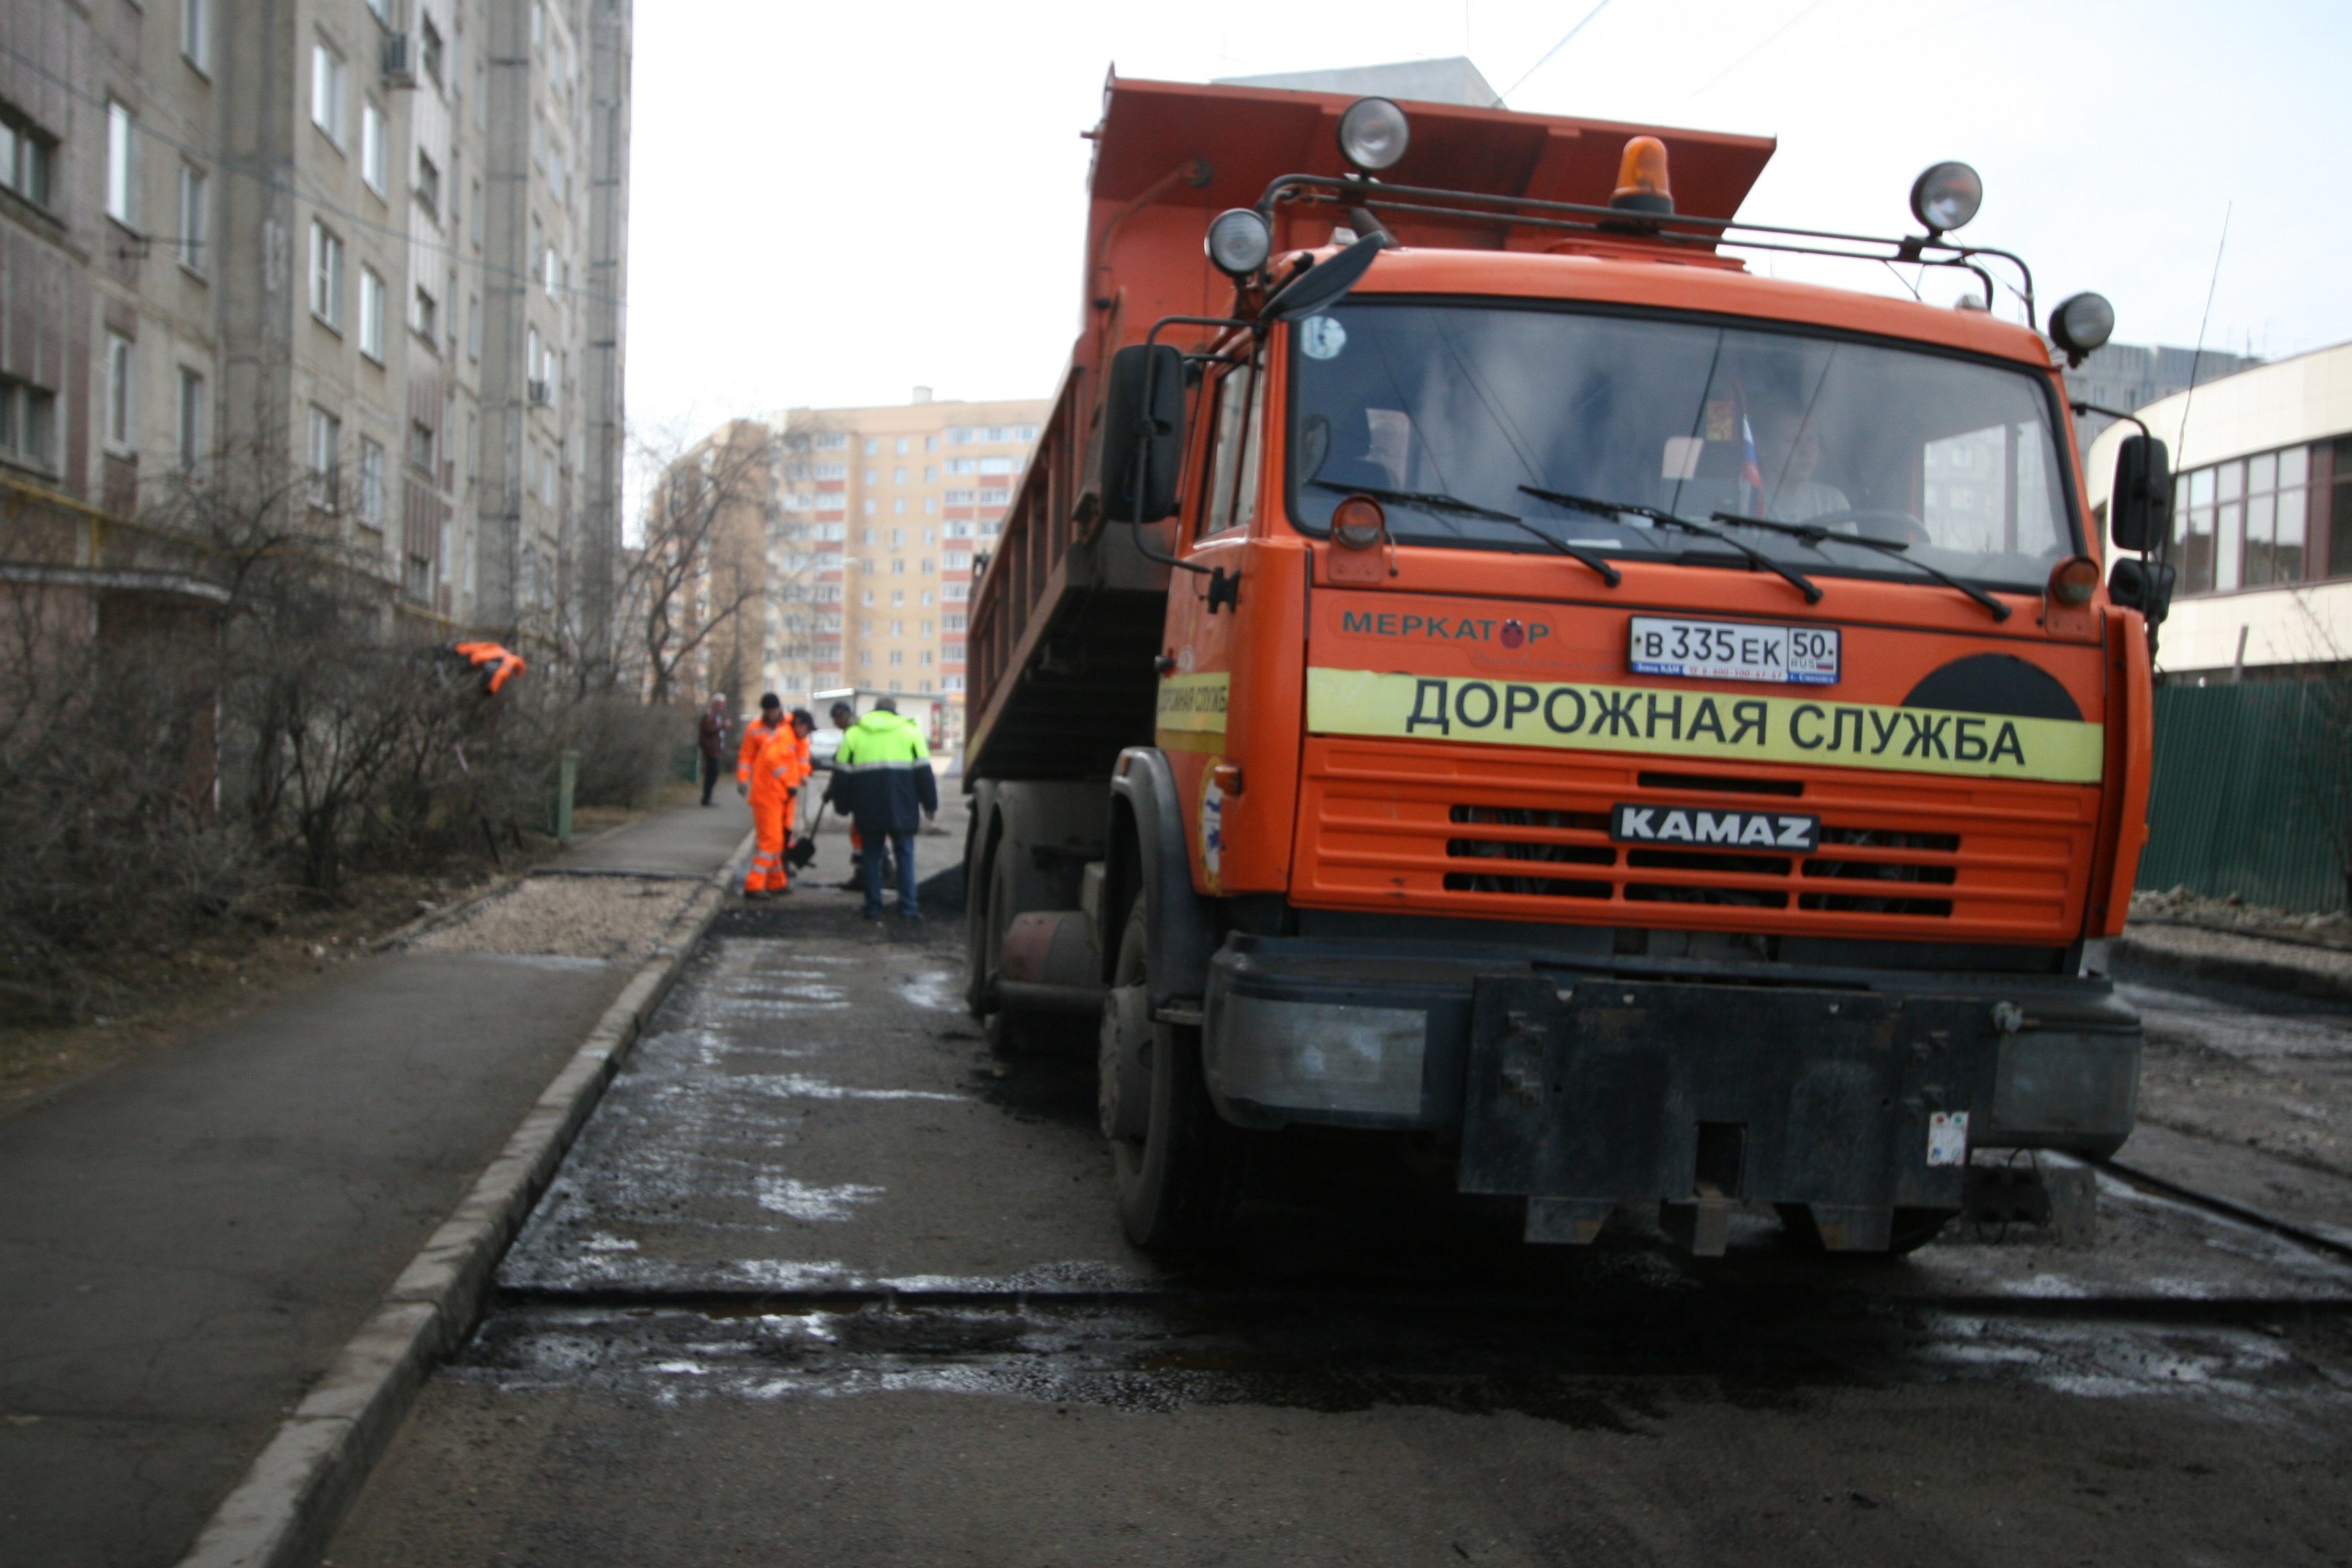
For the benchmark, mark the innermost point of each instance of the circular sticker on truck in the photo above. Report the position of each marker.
(1321, 337)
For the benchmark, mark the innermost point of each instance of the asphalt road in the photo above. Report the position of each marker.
(827, 1282)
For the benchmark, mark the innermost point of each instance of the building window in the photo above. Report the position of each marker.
(27, 159)
(371, 146)
(196, 33)
(420, 447)
(994, 498)
(953, 622)
(27, 415)
(121, 165)
(428, 185)
(326, 454)
(370, 315)
(428, 48)
(957, 560)
(955, 592)
(897, 658)
(473, 327)
(2247, 523)
(962, 466)
(952, 683)
(425, 315)
(370, 502)
(327, 79)
(195, 216)
(326, 275)
(121, 368)
(192, 420)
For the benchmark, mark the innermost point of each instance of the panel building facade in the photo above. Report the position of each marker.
(377, 245)
(880, 514)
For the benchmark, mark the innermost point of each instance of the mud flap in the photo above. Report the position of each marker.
(1704, 1096)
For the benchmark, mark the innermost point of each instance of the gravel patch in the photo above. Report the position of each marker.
(616, 918)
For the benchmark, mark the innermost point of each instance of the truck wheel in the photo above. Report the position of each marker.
(1006, 1031)
(1173, 1178)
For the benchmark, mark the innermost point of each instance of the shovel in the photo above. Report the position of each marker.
(803, 849)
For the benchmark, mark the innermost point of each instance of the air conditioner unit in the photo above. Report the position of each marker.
(399, 61)
(541, 395)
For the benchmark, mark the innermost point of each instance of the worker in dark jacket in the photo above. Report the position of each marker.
(882, 777)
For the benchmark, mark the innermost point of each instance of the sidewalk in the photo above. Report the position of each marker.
(188, 1240)
(2297, 968)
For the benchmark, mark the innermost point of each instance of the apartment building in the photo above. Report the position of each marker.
(375, 244)
(880, 514)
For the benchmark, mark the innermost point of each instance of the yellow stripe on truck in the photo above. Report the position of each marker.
(1667, 721)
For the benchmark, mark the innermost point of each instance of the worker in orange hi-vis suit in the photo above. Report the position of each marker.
(756, 734)
(777, 773)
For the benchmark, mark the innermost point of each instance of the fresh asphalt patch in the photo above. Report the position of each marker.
(827, 1279)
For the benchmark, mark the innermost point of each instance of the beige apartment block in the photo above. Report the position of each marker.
(376, 244)
(877, 518)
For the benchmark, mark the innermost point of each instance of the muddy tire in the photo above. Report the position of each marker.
(1174, 1180)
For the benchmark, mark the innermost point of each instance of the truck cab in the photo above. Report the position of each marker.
(1662, 734)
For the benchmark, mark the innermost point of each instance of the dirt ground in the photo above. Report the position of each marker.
(285, 940)
(2179, 906)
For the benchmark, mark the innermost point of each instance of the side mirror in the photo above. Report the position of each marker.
(2142, 585)
(2139, 505)
(1142, 432)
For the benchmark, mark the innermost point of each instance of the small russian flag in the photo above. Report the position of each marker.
(1751, 469)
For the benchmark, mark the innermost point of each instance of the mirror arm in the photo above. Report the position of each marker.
(2116, 415)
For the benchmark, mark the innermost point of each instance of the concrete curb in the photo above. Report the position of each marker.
(2268, 974)
(294, 1495)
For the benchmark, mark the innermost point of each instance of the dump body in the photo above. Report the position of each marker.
(1699, 791)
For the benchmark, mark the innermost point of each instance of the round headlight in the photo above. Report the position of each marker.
(1239, 241)
(2082, 324)
(1358, 523)
(1373, 133)
(1947, 196)
(2073, 581)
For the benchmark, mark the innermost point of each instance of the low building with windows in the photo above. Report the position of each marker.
(2261, 521)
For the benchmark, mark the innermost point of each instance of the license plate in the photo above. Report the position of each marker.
(1697, 828)
(1734, 650)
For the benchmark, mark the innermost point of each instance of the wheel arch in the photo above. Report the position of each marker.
(1177, 920)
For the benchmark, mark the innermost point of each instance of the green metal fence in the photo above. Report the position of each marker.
(2239, 802)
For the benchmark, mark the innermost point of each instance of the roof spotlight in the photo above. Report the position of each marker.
(1239, 241)
(2082, 324)
(1373, 134)
(1947, 196)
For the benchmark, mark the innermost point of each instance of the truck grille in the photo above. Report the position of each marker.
(1454, 830)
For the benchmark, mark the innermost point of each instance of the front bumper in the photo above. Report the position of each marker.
(1626, 1079)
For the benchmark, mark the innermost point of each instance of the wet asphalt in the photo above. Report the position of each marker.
(829, 1280)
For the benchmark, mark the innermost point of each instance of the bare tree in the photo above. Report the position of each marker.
(697, 568)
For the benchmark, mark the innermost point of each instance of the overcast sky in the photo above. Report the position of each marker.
(832, 204)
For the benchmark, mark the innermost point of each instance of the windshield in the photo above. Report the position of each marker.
(1459, 411)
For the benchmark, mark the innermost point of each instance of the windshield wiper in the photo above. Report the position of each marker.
(1428, 501)
(1757, 558)
(1814, 534)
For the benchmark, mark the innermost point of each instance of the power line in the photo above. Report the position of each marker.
(1751, 54)
(1550, 52)
(357, 220)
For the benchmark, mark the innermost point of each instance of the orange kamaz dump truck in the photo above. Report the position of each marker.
(1473, 665)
